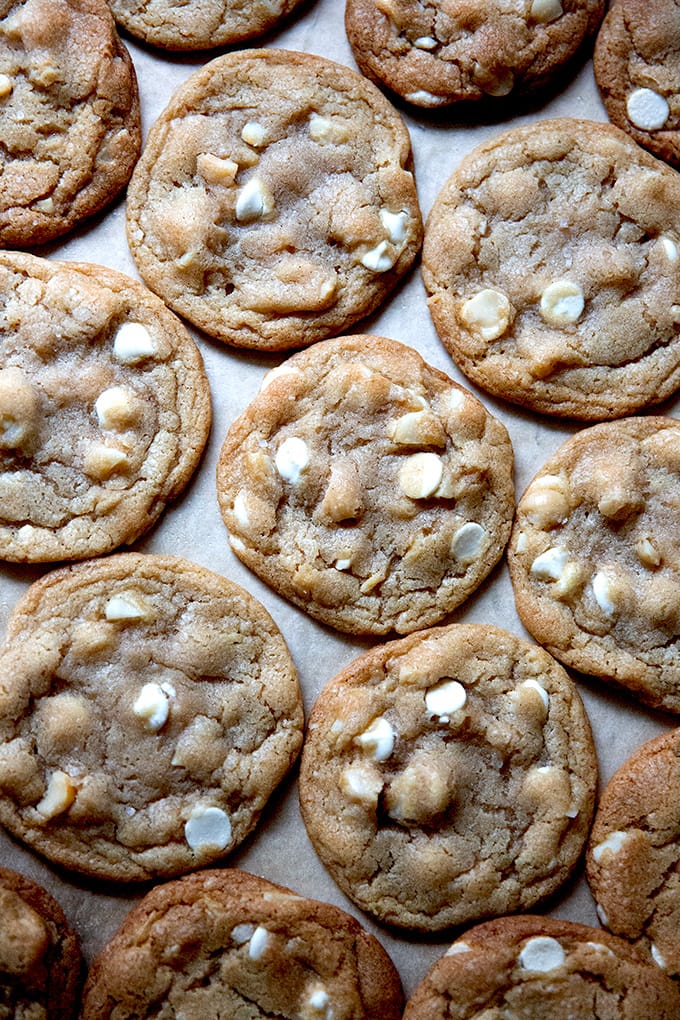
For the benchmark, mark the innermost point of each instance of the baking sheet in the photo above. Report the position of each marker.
(279, 848)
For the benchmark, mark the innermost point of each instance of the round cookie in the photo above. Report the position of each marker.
(274, 204)
(594, 556)
(148, 709)
(229, 944)
(69, 116)
(634, 851)
(367, 487)
(637, 69)
(449, 776)
(552, 260)
(541, 968)
(436, 53)
(199, 24)
(104, 409)
(40, 959)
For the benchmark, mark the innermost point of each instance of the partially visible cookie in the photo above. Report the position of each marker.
(634, 851)
(199, 24)
(148, 710)
(552, 260)
(104, 409)
(40, 959)
(449, 776)
(69, 116)
(541, 968)
(229, 944)
(436, 53)
(274, 203)
(637, 69)
(594, 556)
(367, 487)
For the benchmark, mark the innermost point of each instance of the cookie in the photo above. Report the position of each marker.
(199, 24)
(552, 260)
(448, 776)
(228, 944)
(69, 116)
(148, 710)
(104, 409)
(541, 968)
(274, 203)
(367, 487)
(637, 69)
(635, 848)
(40, 960)
(594, 556)
(436, 53)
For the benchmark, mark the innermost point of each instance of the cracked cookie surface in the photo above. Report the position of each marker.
(148, 709)
(593, 556)
(448, 776)
(227, 943)
(274, 203)
(69, 116)
(436, 52)
(634, 851)
(104, 409)
(367, 487)
(552, 260)
(540, 968)
(637, 69)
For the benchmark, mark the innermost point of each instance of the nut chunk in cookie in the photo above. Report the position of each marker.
(449, 776)
(274, 203)
(594, 556)
(148, 710)
(367, 487)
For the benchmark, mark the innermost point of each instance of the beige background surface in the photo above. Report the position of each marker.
(279, 849)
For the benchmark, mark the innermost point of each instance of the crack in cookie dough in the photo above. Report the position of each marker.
(448, 776)
(593, 556)
(551, 260)
(69, 116)
(87, 467)
(367, 487)
(274, 203)
(148, 709)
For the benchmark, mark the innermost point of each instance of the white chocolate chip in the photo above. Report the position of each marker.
(545, 11)
(253, 134)
(127, 606)
(241, 933)
(6, 86)
(417, 428)
(324, 130)
(670, 248)
(19, 409)
(292, 459)
(318, 1004)
(132, 343)
(647, 553)
(657, 957)
(549, 565)
(152, 706)
(216, 169)
(395, 225)
(208, 829)
(562, 303)
(467, 542)
(45, 205)
(241, 508)
(378, 740)
(604, 592)
(58, 797)
(279, 372)
(114, 408)
(521, 544)
(100, 460)
(423, 98)
(258, 943)
(542, 954)
(458, 947)
(378, 259)
(535, 686)
(601, 914)
(342, 564)
(546, 502)
(445, 698)
(487, 313)
(425, 42)
(420, 475)
(599, 947)
(613, 843)
(362, 784)
(254, 201)
(647, 110)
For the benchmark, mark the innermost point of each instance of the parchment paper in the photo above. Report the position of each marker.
(279, 848)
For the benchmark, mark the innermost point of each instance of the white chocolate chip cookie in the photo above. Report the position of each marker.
(448, 776)
(274, 203)
(148, 710)
(552, 261)
(367, 487)
(594, 556)
(104, 409)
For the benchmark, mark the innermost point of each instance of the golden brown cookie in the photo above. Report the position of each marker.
(274, 203)
(69, 116)
(449, 776)
(594, 556)
(229, 944)
(148, 710)
(367, 487)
